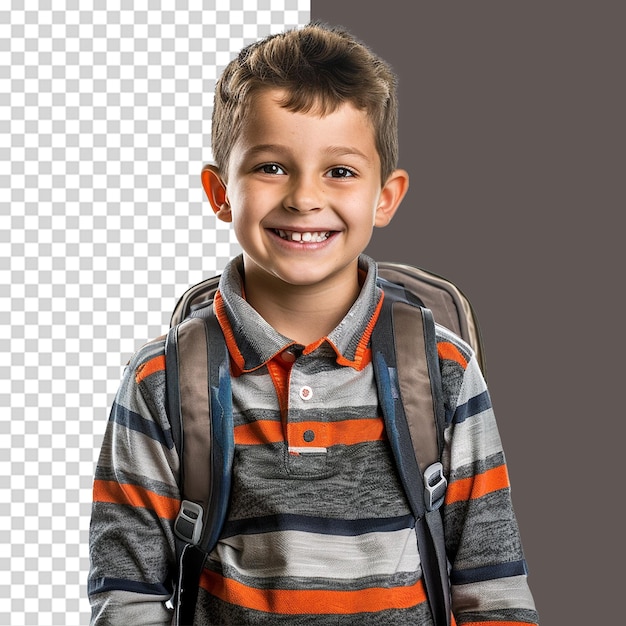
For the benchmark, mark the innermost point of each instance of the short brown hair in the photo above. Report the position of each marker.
(320, 67)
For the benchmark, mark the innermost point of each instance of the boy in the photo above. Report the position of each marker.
(318, 530)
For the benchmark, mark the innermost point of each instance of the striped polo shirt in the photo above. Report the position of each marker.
(318, 531)
(318, 522)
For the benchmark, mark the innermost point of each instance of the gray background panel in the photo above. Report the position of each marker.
(512, 129)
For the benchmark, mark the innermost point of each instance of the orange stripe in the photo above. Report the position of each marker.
(259, 432)
(116, 493)
(325, 434)
(449, 352)
(320, 602)
(478, 486)
(279, 372)
(157, 364)
(362, 360)
(345, 432)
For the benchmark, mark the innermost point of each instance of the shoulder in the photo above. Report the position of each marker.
(139, 410)
(143, 384)
(149, 359)
(451, 347)
(461, 375)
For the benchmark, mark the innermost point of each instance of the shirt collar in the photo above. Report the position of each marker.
(252, 342)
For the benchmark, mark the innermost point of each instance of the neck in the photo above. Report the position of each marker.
(304, 313)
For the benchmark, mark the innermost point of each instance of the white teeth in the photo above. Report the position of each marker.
(307, 237)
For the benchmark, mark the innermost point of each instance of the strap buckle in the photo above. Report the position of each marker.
(170, 603)
(188, 524)
(435, 485)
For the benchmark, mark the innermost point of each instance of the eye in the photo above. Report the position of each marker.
(271, 168)
(340, 172)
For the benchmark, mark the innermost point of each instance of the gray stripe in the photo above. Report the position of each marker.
(336, 391)
(493, 595)
(349, 482)
(254, 391)
(138, 451)
(474, 383)
(484, 539)
(401, 579)
(475, 439)
(289, 554)
(478, 467)
(125, 534)
(123, 608)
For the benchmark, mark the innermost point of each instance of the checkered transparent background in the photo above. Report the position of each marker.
(105, 125)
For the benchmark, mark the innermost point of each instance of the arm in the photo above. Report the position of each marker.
(489, 576)
(135, 501)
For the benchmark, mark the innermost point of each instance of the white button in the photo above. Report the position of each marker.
(306, 393)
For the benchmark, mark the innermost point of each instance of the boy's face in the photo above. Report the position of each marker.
(304, 192)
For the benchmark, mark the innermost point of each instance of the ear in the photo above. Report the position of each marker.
(391, 196)
(215, 189)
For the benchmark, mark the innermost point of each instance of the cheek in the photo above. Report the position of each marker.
(361, 211)
(243, 196)
(246, 216)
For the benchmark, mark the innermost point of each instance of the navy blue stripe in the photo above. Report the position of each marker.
(490, 572)
(319, 525)
(133, 421)
(472, 407)
(99, 585)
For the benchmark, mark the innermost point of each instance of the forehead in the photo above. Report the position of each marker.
(268, 119)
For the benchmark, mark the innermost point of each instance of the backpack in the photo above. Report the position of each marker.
(406, 366)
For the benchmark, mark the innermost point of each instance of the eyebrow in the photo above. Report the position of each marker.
(264, 147)
(347, 151)
(336, 151)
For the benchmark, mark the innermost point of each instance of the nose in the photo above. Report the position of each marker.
(305, 193)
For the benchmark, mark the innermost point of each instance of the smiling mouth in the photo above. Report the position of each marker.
(305, 237)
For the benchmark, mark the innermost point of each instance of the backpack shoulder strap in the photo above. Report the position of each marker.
(200, 413)
(450, 306)
(409, 381)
